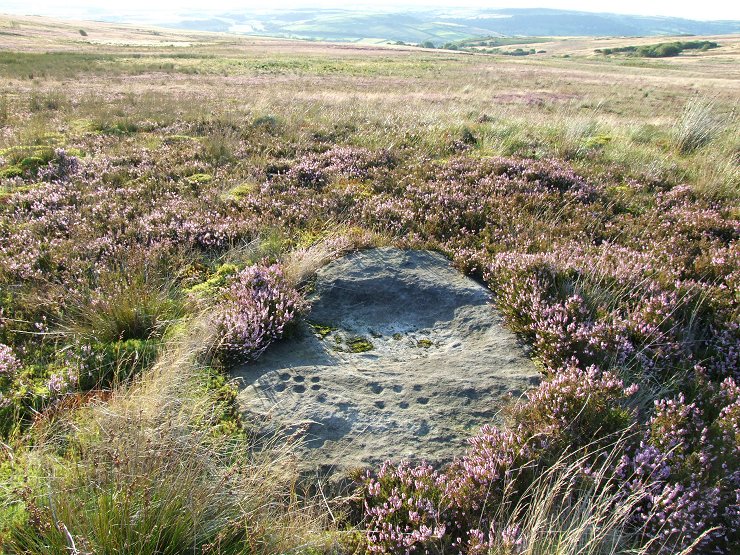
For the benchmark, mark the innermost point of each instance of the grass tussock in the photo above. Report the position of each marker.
(561, 513)
(697, 126)
(144, 473)
(128, 307)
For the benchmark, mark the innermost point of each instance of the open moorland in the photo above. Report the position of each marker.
(167, 199)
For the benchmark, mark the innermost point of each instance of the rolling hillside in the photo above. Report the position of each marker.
(443, 26)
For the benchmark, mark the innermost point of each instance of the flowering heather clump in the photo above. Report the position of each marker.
(314, 171)
(9, 364)
(62, 167)
(257, 306)
(576, 407)
(476, 483)
(58, 384)
(462, 502)
(691, 467)
(402, 506)
(309, 172)
(9, 367)
(606, 306)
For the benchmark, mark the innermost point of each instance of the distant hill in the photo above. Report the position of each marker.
(443, 26)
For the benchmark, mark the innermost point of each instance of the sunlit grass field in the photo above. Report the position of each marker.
(165, 195)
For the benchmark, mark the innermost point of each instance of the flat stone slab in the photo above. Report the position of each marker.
(439, 364)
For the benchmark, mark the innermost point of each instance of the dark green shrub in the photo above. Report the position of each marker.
(660, 50)
(269, 123)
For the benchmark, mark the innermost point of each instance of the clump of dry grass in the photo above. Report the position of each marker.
(575, 508)
(144, 473)
(301, 263)
(697, 126)
(718, 173)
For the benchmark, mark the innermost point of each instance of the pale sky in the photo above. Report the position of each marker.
(692, 9)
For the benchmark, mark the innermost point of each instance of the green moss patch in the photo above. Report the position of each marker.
(216, 281)
(321, 330)
(243, 190)
(10, 172)
(359, 344)
(199, 179)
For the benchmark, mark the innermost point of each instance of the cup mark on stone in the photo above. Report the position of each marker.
(422, 400)
(285, 376)
(280, 387)
(403, 405)
(380, 404)
(315, 387)
(398, 388)
(298, 379)
(376, 388)
(315, 379)
(299, 388)
(417, 387)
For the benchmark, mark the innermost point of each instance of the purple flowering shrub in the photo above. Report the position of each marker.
(356, 163)
(258, 305)
(415, 507)
(404, 505)
(577, 407)
(684, 470)
(315, 170)
(612, 280)
(689, 459)
(9, 364)
(9, 367)
(615, 316)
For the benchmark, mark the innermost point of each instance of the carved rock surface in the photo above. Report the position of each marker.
(439, 365)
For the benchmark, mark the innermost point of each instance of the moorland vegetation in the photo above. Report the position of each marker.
(162, 207)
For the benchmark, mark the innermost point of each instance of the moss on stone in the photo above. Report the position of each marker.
(359, 344)
(322, 330)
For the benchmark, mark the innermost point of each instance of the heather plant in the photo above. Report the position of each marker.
(9, 364)
(257, 307)
(9, 367)
(577, 407)
(684, 462)
(462, 506)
